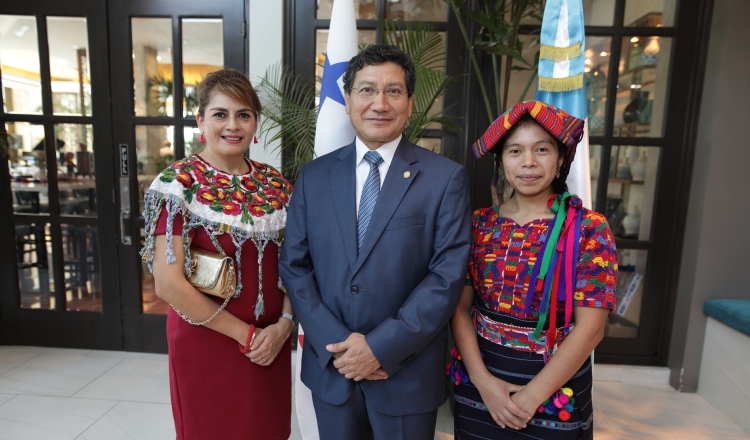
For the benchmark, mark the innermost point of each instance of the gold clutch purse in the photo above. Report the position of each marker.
(212, 273)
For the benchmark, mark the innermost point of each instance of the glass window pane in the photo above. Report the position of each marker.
(34, 259)
(192, 144)
(150, 303)
(152, 66)
(76, 177)
(433, 144)
(597, 71)
(523, 83)
(363, 9)
(19, 63)
(321, 42)
(154, 153)
(427, 78)
(598, 13)
(202, 52)
(416, 10)
(81, 269)
(649, 13)
(595, 163)
(625, 322)
(631, 191)
(642, 86)
(28, 167)
(69, 65)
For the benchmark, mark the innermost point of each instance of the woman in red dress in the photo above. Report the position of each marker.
(229, 368)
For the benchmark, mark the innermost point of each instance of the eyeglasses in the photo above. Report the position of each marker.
(367, 92)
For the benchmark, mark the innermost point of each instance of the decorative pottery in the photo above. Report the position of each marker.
(650, 55)
(633, 111)
(623, 169)
(594, 165)
(632, 154)
(638, 168)
(632, 222)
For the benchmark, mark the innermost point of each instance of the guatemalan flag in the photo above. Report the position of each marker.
(561, 79)
(333, 131)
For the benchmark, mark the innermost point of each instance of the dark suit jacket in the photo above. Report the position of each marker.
(399, 291)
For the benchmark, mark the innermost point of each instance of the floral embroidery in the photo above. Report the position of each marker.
(264, 188)
(247, 207)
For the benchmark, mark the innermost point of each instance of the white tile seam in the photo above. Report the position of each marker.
(14, 396)
(100, 417)
(36, 355)
(97, 378)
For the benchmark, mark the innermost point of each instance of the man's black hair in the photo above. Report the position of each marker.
(377, 55)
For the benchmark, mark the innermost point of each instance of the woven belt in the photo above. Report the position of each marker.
(511, 336)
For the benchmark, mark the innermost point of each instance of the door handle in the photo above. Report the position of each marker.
(125, 237)
(124, 217)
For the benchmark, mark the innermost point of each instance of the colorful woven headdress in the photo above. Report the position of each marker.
(566, 128)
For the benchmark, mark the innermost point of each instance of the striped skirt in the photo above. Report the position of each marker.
(473, 421)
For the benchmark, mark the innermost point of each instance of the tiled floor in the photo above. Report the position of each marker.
(49, 394)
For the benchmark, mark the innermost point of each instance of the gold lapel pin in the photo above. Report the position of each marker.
(406, 174)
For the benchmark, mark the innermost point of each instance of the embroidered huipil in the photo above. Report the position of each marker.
(246, 207)
(503, 256)
(244, 216)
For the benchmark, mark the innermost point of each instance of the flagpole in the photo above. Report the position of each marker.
(333, 131)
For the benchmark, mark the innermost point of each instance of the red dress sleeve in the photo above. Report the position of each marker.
(177, 223)
(596, 275)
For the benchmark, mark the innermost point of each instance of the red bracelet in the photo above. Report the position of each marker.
(250, 337)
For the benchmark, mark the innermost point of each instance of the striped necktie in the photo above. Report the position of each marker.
(370, 192)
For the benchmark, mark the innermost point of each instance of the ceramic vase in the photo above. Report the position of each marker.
(632, 112)
(632, 222)
(638, 168)
(650, 55)
(594, 167)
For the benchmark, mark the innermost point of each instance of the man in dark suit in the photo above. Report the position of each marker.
(374, 260)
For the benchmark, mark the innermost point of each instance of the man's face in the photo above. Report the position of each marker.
(379, 119)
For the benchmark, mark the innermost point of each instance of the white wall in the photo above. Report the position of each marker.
(715, 254)
(266, 33)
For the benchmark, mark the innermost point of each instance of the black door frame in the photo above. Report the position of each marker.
(146, 332)
(59, 327)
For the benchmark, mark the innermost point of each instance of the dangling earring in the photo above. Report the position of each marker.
(558, 173)
(201, 139)
(255, 139)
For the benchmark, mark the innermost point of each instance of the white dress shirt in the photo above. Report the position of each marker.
(386, 151)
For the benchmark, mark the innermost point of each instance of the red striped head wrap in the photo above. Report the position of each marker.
(566, 128)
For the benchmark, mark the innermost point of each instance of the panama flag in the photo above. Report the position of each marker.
(333, 128)
(333, 131)
(308, 423)
(561, 79)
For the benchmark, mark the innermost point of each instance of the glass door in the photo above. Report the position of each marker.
(58, 286)
(159, 52)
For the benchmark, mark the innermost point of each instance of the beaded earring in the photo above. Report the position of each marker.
(201, 139)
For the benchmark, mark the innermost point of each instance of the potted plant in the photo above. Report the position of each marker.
(498, 37)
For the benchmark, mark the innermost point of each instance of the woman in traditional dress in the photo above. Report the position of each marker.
(229, 368)
(541, 283)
